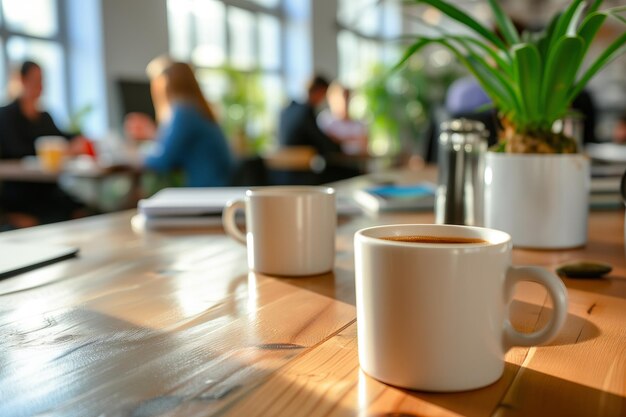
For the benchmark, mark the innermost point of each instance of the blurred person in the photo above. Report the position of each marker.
(466, 99)
(188, 136)
(21, 123)
(584, 105)
(619, 131)
(337, 123)
(298, 125)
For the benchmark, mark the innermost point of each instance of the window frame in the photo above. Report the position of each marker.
(257, 10)
(60, 38)
(380, 39)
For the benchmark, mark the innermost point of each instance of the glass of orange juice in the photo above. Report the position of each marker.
(51, 152)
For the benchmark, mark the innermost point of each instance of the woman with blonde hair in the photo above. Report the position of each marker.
(188, 136)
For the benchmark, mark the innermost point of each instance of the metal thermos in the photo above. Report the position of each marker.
(460, 194)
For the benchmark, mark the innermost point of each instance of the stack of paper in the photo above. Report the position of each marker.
(187, 207)
(197, 207)
(608, 166)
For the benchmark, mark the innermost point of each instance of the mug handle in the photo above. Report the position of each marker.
(228, 220)
(558, 293)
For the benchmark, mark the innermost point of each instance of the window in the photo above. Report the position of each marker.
(363, 41)
(29, 30)
(237, 51)
(364, 45)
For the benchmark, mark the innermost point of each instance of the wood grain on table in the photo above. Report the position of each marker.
(147, 323)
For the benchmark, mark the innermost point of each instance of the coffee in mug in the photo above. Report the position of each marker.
(290, 229)
(432, 305)
(450, 240)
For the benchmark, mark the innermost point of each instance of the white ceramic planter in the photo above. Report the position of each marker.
(542, 201)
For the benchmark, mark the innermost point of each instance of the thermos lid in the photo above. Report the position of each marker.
(463, 126)
(463, 131)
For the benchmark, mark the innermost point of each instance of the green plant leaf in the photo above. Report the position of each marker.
(563, 23)
(620, 18)
(495, 85)
(492, 81)
(497, 80)
(503, 63)
(412, 49)
(502, 59)
(594, 21)
(612, 10)
(595, 6)
(461, 17)
(527, 72)
(560, 74)
(544, 41)
(611, 52)
(573, 23)
(504, 23)
(590, 27)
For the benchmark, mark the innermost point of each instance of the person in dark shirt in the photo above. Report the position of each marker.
(21, 123)
(298, 127)
(298, 124)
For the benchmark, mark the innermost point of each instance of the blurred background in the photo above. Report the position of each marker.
(252, 56)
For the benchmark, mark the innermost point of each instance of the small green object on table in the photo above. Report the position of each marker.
(584, 269)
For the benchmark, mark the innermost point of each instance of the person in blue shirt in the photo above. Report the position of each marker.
(188, 137)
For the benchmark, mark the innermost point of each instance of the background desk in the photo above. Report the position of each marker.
(151, 323)
(18, 170)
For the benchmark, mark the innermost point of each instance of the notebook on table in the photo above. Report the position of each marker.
(16, 258)
(197, 207)
(390, 197)
(195, 202)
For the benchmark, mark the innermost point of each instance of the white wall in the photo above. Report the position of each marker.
(324, 31)
(135, 31)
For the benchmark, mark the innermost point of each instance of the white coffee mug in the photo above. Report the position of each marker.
(434, 316)
(290, 229)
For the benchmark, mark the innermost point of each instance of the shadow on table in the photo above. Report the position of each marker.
(611, 285)
(530, 393)
(340, 388)
(338, 285)
(575, 330)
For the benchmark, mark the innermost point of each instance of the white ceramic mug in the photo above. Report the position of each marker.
(434, 316)
(290, 229)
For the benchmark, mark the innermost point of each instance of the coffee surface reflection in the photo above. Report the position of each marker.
(436, 239)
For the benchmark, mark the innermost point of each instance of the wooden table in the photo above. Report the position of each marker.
(149, 323)
(29, 171)
(17, 170)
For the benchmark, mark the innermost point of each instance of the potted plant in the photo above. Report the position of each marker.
(536, 184)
